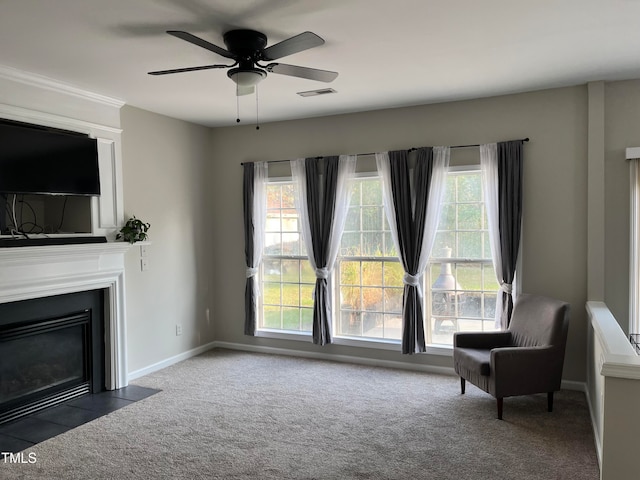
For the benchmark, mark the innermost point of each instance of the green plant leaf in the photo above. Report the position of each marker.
(134, 230)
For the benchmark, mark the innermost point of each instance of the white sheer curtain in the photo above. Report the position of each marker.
(413, 317)
(489, 167)
(255, 213)
(441, 156)
(298, 174)
(323, 246)
(259, 209)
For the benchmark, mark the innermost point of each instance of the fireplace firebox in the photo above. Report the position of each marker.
(51, 350)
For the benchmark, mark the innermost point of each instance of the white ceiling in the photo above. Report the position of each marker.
(389, 53)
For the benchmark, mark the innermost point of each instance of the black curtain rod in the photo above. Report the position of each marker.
(410, 150)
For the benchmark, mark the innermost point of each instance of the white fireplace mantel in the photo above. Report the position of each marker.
(33, 272)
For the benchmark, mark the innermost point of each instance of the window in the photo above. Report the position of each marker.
(460, 286)
(368, 271)
(461, 280)
(287, 277)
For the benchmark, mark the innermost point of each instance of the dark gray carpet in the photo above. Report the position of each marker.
(234, 415)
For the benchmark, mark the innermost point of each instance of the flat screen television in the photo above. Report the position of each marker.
(41, 160)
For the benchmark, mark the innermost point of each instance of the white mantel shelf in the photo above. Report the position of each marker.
(20, 254)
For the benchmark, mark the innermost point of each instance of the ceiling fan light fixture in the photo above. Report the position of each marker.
(246, 77)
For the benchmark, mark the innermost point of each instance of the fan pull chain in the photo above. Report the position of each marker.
(237, 104)
(257, 121)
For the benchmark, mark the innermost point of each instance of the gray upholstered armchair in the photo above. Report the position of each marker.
(526, 358)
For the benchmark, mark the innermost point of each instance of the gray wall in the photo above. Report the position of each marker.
(166, 165)
(622, 130)
(555, 216)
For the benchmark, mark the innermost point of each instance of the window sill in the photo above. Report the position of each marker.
(284, 335)
(391, 345)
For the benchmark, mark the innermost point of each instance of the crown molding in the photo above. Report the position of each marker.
(47, 83)
(20, 114)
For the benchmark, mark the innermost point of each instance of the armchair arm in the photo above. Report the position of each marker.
(482, 340)
(526, 370)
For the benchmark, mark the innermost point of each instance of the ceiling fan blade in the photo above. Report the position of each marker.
(188, 69)
(200, 42)
(292, 45)
(302, 72)
(240, 91)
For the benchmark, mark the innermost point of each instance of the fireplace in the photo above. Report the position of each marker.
(42, 273)
(51, 350)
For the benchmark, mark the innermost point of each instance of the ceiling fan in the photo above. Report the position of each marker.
(247, 48)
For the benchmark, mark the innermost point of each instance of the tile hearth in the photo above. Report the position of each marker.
(24, 433)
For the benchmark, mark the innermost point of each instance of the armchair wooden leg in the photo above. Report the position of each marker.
(462, 385)
(550, 401)
(500, 401)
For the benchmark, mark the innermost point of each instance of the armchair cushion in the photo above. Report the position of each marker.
(473, 360)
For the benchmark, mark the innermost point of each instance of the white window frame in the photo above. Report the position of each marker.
(460, 170)
(633, 156)
(369, 342)
(266, 331)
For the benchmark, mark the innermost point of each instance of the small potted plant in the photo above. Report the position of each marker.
(134, 230)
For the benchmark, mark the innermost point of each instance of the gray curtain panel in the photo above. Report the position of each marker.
(250, 293)
(410, 222)
(322, 183)
(510, 169)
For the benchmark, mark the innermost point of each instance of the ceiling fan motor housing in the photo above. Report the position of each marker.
(247, 45)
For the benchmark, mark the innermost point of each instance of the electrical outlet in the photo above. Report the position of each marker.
(178, 329)
(144, 264)
(143, 251)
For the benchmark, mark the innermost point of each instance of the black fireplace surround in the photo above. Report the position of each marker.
(51, 350)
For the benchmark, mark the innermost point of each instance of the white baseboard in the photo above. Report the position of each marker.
(573, 385)
(170, 361)
(582, 387)
(372, 362)
(594, 427)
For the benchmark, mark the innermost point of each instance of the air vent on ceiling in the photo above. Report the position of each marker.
(313, 93)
